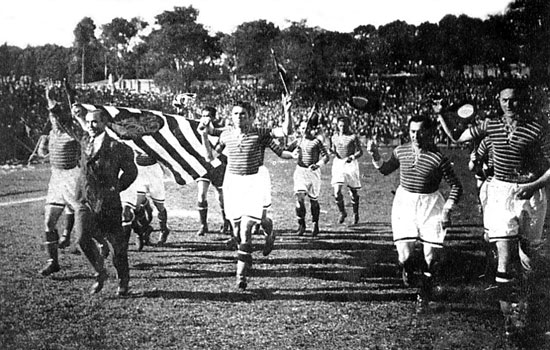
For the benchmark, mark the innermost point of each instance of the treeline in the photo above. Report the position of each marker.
(178, 50)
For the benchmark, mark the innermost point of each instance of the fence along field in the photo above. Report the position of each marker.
(340, 290)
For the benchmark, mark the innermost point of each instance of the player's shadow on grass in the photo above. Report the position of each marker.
(321, 294)
(323, 245)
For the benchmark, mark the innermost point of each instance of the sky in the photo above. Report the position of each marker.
(40, 22)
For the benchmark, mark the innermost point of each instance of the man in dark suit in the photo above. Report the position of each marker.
(106, 168)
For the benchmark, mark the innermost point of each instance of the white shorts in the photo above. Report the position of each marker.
(417, 217)
(263, 172)
(346, 173)
(483, 194)
(307, 181)
(150, 180)
(62, 187)
(243, 196)
(506, 217)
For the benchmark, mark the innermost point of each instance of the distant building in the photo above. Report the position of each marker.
(131, 85)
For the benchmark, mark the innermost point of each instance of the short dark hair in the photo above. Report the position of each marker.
(427, 122)
(210, 109)
(344, 118)
(103, 115)
(519, 86)
(245, 105)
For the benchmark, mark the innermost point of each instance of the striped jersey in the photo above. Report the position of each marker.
(482, 156)
(520, 154)
(422, 172)
(64, 150)
(309, 151)
(270, 131)
(484, 152)
(345, 145)
(245, 150)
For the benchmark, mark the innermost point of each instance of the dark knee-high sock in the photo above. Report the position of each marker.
(315, 210)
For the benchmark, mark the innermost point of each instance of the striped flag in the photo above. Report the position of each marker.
(170, 139)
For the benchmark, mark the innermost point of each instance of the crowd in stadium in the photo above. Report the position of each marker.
(23, 106)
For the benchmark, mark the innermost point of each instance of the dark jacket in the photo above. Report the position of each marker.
(101, 181)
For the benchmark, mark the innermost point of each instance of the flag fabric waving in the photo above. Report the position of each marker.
(282, 72)
(170, 139)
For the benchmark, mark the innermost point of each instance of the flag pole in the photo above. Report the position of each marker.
(277, 66)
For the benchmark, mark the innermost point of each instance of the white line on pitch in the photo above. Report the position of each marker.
(22, 201)
(182, 213)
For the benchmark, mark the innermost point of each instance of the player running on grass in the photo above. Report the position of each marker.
(64, 152)
(346, 147)
(419, 211)
(311, 155)
(242, 184)
(516, 204)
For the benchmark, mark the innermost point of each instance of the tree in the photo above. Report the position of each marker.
(116, 37)
(427, 47)
(53, 61)
(182, 43)
(331, 51)
(84, 37)
(367, 44)
(9, 55)
(250, 46)
(397, 38)
(529, 21)
(295, 47)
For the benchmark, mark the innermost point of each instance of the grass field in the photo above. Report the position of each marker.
(338, 291)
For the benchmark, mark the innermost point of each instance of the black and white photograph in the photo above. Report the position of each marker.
(275, 174)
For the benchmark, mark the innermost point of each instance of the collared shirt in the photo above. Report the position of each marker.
(344, 145)
(98, 141)
(421, 172)
(309, 151)
(245, 150)
(519, 155)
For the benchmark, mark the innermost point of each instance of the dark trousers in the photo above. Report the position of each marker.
(100, 226)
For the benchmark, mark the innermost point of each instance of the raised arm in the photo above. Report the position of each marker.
(463, 137)
(288, 123)
(287, 127)
(43, 146)
(79, 114)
